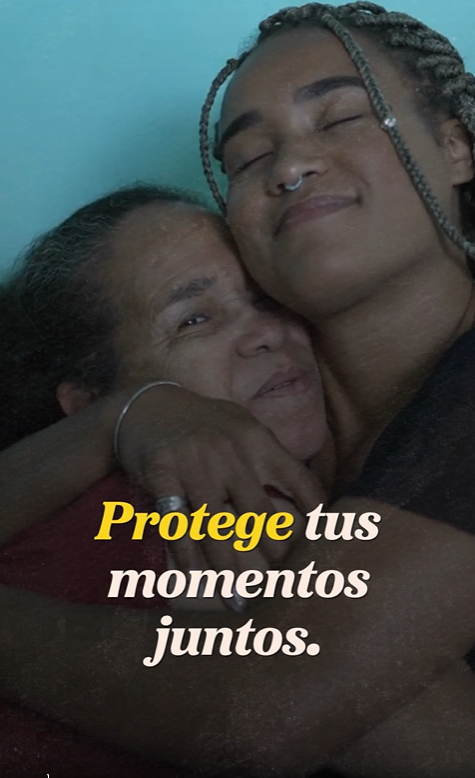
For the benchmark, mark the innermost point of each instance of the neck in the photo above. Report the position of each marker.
(375, 356)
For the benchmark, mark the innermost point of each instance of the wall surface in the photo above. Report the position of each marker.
(99, 93)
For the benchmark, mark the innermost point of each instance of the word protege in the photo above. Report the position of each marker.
(246, 529)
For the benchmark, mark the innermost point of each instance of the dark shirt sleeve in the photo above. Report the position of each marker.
(424, 462)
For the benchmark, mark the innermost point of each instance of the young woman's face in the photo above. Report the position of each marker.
(189, 314)
(297, 107)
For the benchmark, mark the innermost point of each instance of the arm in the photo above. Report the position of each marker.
(431, 737)
(50, 468)
(376, 654)
(172, 442)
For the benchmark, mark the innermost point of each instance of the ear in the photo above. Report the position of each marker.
(458, 146)
(72, 397)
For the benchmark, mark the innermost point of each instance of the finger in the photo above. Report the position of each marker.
(246, 491)
(187, 554)
(294, 480)
(164, 482)
(228, 480)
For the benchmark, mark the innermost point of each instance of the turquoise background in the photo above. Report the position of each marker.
(98, 93)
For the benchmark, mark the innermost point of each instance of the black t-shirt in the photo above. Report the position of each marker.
(424, 462)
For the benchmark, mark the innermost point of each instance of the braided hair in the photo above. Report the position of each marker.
(432, 61)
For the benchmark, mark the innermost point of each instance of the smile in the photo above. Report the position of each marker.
(284, 383)
(314, 208)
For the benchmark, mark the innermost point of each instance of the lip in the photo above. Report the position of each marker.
(283, 383)
(313, 208)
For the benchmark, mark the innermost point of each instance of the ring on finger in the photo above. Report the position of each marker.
(174, 502)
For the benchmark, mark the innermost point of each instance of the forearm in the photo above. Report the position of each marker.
(377, 652)
(49, 469)
(431, 737)
(261, 713)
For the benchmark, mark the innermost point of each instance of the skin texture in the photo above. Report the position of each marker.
(223, 338)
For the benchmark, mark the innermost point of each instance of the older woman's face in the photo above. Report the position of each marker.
(190, 315)
(297, 107)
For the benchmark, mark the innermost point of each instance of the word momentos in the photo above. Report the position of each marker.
(248, 527)
(202, 640)
(248, 584)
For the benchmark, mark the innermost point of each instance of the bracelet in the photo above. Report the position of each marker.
(127, 407)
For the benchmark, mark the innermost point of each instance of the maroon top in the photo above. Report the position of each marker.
(59, 557)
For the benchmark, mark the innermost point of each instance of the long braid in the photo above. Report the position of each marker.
(432, 58)
(222, 76)
(383, 112)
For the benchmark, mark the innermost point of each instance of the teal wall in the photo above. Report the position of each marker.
(99, 93)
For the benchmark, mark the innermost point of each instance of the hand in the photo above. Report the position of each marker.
(187, 554)
(176, 442)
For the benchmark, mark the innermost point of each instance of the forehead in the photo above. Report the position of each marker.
(161, 243)
(296, 58)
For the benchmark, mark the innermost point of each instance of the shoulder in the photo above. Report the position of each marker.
(425, 460)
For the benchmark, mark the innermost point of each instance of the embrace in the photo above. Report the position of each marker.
(308, 342)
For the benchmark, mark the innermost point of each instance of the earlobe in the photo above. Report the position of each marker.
(72, 397)
(458, 145)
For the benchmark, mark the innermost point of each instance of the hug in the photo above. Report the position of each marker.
(315, 345)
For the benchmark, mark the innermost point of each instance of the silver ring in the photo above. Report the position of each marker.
(293, 187)
(170, 504)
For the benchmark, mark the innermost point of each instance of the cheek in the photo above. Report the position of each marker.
(202, 366)
(245, 215)
(246, 224)
(140, 355)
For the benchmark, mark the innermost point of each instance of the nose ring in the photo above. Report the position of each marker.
(293, 187)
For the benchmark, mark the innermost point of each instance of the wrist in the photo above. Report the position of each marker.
(127, 406)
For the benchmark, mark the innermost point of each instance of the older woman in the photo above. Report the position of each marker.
(142, 283)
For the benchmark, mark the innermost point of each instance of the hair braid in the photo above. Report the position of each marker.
(388, 122)
(205, 143)
(432, 61)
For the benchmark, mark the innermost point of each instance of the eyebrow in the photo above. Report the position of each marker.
(309, 92)
(187, 291)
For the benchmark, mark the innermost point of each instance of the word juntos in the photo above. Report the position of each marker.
(203, 641)
(247, 529)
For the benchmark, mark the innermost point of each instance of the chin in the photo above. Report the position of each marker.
(312, 286)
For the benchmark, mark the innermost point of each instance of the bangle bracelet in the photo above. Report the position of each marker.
(127, 407)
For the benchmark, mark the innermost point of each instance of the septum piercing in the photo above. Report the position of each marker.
(293, 187)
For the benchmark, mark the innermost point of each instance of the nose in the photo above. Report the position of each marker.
(262, 332)
(294, 168)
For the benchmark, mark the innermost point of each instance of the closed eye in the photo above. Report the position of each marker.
(193, 320)
(246, 165)
(342, 121)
